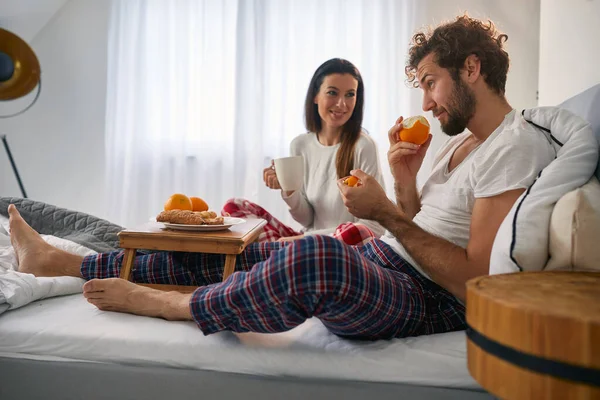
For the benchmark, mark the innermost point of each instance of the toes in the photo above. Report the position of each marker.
(94, 295)
(94, 285)
(102, 305)
(12, 210)
(13, 213)
(105, 285)
(17, 223)
(97, 302)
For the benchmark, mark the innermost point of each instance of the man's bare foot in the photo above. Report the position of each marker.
(34, 255)
(115, 294)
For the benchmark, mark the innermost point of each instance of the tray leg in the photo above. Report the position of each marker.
(229, 265)
(128, 260)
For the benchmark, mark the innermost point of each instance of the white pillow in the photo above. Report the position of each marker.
(586, 104)
(521, 243)
(3, 225)
(575, 230)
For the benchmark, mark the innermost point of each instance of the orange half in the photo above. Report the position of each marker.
(351, 181)
(415, 130)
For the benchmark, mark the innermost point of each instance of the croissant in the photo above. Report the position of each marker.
(190, 217)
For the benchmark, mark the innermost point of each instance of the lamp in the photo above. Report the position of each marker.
(19, 74)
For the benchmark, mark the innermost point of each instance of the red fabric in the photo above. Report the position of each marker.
(272, 231)
(353, 234)
(348, 232)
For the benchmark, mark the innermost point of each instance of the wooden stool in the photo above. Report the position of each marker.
(535, 335)
(154, 236)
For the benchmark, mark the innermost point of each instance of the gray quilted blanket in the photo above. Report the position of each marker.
(89, 231)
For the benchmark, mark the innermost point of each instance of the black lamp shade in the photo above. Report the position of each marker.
(7, 67)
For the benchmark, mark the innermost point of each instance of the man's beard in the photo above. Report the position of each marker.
(461, 109)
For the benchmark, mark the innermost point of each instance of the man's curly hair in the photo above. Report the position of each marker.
(453, 42)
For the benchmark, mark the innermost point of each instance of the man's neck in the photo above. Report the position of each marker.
(489, 114)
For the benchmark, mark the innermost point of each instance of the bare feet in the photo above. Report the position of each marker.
(34, 255)
(115, 294)
(37, 257)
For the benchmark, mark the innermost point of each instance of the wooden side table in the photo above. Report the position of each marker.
(535, 335)
(154, 236)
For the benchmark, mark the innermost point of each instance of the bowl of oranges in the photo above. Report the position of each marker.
(183, 212)
(180, 201)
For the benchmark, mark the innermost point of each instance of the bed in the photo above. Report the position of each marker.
(65, 348)
(61, 347)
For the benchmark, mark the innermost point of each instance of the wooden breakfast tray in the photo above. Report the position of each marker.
(154, 236)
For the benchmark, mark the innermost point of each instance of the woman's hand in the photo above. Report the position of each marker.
(270, 177)
(405, 158)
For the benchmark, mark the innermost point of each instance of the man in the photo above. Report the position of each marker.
(410, 283)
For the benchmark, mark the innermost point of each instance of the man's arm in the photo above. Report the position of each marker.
(407, 198)
(447, 264)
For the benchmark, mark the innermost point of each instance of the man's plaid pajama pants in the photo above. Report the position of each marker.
(361, 292)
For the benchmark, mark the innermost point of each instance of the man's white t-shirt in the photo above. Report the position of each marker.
(510, 158)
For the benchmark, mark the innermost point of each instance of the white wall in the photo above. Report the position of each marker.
(569, 48)
(519, 19)
(58, 144)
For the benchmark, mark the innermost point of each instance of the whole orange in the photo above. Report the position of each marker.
(351, 181)
(198, 204)
(178, 201)
(415, 130)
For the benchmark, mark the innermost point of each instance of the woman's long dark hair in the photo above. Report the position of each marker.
(344, 162)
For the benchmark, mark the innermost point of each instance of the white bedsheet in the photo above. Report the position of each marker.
(69, 328)
(18, 289)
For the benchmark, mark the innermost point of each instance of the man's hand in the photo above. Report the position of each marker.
(367, 201)
(405, 158)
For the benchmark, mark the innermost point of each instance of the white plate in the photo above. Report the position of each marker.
(228, 222)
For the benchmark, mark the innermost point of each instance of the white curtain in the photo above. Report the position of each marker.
(202, 94)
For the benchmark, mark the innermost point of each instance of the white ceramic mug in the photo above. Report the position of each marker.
(290, 172)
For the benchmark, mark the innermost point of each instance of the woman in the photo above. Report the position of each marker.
(334, 145)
